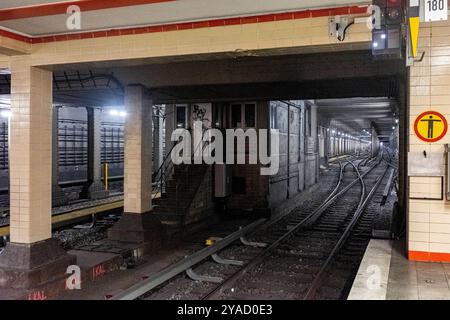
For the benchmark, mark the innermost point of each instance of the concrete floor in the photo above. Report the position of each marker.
(386, 274)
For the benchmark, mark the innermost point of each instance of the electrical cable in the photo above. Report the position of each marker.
(345, 31)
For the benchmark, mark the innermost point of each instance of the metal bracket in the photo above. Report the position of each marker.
(221, 260)
(197, 277)
(253, 244)
(422, 55)
(338, 25)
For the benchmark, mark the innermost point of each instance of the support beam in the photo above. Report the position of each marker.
(138, 224)
(158, 138)
(32, 258)
(94, 188)
(375, 142)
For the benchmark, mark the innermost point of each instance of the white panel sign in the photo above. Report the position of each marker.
(435, 10)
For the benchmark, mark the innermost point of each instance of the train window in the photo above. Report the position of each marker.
(250, 115)
(181, 117)
(236, 115)
(243, 115)
(308, 120)
(217, 115)
(273, 116)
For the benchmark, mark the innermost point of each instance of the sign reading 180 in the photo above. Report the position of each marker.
(435, 10)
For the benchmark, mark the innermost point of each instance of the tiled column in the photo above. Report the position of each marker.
(428, 222)
(32, 257)
(94, 188)
(59, 198)
(138, 224)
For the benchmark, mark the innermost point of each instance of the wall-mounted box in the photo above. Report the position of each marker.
(426, 165)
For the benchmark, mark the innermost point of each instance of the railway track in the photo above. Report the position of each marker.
(302, 247)
(299, 262)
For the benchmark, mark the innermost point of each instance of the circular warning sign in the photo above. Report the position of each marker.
(430, 126)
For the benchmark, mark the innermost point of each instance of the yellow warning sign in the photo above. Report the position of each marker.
(414, 23)
(430, 126)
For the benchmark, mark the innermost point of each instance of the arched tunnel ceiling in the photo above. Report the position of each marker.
(362, 113)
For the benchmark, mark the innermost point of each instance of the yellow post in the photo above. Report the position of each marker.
(106, 176)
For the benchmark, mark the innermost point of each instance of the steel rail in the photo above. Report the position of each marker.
(317, 280)
(257, 259)
(171, 271)
(356, 216)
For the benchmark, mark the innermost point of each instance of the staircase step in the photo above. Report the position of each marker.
(179, 192)
(181, 189)
(169, 209)
(172, 203)
(168, 216)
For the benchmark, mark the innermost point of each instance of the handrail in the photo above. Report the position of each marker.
(164, 160)
(202, 145)
(165, 168)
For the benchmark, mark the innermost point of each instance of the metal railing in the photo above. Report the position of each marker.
(165, 171)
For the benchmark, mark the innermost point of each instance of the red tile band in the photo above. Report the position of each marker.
(194, 25)
(428, 256)
(49, 9)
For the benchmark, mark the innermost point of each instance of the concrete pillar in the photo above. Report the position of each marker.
(314, 133)
(59, 198)
(138, 224)
(375, 142)
(158, 138)
(94, 188)
(32, 258)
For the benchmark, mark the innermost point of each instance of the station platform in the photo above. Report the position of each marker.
(386, 274)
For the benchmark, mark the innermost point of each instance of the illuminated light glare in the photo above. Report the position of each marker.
(375, 44)
(116, 113)
(396, 120)
(6, 113)
(383, 36)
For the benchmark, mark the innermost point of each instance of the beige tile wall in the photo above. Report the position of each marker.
(10, 46)
(268, 35)
(30, 152)
(429, 221)
(138, 151)
(31, 105)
